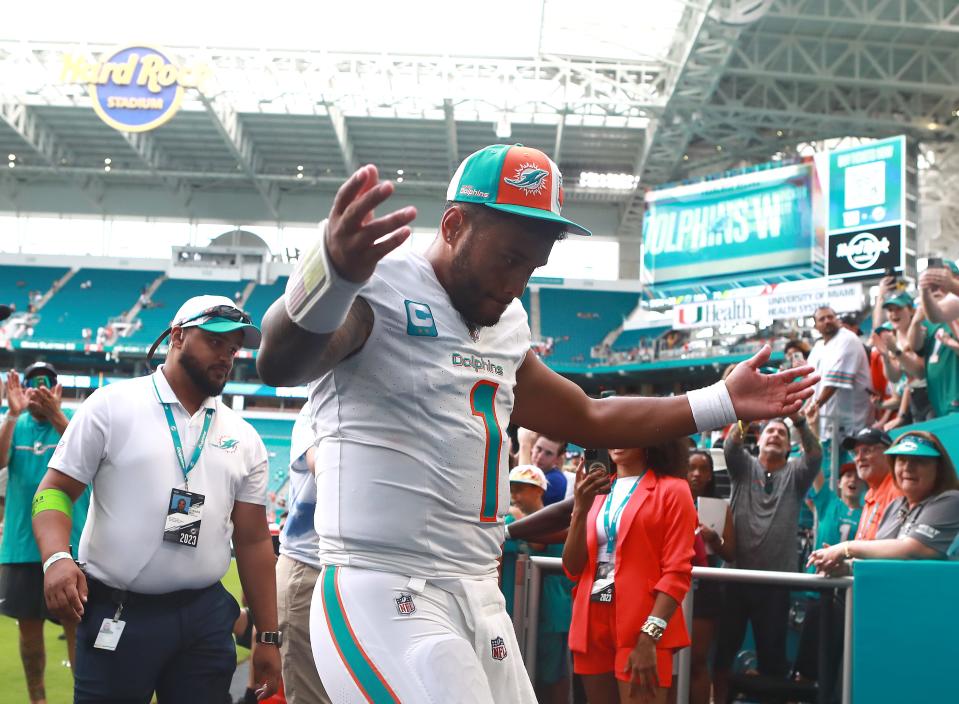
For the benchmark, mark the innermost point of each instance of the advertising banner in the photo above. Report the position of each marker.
(757, 221)
(774, 303)
(867, 210)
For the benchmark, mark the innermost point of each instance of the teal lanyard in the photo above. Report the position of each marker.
(613, 528)
(175, 435)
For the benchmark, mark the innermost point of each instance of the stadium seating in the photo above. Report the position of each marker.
(168, 298)
(276, 436)
(17, 281)
(579, 320)
(88, 300)
(629, 339)
(263, 297)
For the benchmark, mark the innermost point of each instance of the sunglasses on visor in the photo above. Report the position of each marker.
(227, 312)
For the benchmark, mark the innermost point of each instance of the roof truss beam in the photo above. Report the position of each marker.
(228, 124)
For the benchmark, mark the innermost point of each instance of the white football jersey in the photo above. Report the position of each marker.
(411, 431)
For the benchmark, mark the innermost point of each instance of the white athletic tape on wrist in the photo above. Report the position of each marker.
(55, 557)
(712, 407)
(317, 298)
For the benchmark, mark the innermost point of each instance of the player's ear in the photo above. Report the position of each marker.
(452, 224)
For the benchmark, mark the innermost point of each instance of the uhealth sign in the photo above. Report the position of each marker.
(134, 89)
(752, 222)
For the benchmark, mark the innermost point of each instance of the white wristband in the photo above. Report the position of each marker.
(656, 621)
(712, 407)
(317, 298)
(54, 557)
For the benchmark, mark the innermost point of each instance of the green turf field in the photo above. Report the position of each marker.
(59, 680)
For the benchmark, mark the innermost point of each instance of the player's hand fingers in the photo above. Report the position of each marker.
(82, 589)
(387, 224)
(352, 187)
(390, 242)
(352, 219)
(760, 358)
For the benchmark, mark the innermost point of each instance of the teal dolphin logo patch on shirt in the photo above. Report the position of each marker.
(227, 444)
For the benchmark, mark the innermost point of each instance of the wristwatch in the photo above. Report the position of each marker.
(270, 638)
(652, 630)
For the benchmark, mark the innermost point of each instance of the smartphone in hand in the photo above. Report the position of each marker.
(597, 459)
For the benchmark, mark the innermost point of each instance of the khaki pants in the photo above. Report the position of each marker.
(294, 593)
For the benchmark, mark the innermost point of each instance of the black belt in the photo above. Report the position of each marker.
(98, 591)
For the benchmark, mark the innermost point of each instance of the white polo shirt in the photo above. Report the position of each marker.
(119, 441)
(298, 539)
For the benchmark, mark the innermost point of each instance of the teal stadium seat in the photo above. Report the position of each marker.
(579, 320)
(76, 306)
(263, 297)
(629, 339)
(170, 296)
(276, 436)
(17, 281)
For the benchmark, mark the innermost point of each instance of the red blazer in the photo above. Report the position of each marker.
(654, 552)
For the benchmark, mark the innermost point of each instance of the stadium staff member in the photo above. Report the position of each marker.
(153, 614)
(27, 441)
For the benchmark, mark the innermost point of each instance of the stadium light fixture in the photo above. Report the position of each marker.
(12, 157)
(11, 164)
(108, 161)
(299, 175)
(107, 168)
(299, 167)
(399, 172)
(399, 179)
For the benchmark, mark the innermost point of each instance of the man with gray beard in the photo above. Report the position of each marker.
(767, 492)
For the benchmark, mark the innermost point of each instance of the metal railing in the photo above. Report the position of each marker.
(529, 572)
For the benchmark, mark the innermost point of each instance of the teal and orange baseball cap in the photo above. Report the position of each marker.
(513, 179)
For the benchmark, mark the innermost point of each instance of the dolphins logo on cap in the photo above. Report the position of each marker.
(529, 178)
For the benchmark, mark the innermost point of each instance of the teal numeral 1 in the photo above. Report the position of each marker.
(482, 404)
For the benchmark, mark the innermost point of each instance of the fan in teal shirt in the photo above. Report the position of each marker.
(837, 515)
(30, 450)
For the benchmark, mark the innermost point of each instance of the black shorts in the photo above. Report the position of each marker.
(21, 591)
(707, 599)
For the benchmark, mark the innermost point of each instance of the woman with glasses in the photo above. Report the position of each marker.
(630, 550)
(923, 523)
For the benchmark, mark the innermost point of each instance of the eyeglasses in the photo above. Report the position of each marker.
(38, 381)
(228, 312)
(768, 484)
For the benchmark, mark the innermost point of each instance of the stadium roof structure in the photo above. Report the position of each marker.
(737, 82)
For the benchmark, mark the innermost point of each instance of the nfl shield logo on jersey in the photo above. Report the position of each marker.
(499, 649)
(405, 605)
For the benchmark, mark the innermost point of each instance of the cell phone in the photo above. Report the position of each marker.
(935, 263)
(597, 459)
(891, 272)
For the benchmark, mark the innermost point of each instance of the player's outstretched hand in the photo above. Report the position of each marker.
(355, 239)
(757, 396)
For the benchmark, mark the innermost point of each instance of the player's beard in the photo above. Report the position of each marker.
(199, 376)
(467, 291)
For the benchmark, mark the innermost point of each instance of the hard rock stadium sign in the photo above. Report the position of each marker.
(134, 89)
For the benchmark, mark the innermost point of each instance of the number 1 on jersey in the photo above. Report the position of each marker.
(482, 404)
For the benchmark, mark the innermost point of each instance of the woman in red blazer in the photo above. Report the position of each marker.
(625, 624)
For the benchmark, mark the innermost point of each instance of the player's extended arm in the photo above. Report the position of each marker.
(328, 322)
(548, 525)
(550, 404)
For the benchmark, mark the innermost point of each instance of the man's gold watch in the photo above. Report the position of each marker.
(652, 630)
